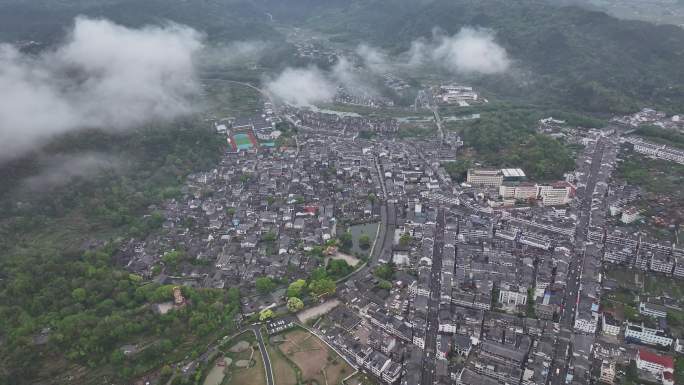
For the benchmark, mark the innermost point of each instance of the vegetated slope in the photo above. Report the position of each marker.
(90, 306)
(45, 21)
(583, 59)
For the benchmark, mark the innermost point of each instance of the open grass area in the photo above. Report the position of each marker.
(658, 285)
(662, 198)
(225, 99)
(654, 176)
(317, 363)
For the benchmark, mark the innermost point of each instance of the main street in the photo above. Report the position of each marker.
(433, 302)
(572, 291)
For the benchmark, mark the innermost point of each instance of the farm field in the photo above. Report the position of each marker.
(283, 372)
(240, 364)
(360, 379)
(226, 99)
(317, 363)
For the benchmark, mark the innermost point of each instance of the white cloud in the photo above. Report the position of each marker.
(60, 169)
(470, 51)
(354, 81)
(102, 76)
(302, 86)
(373, 58)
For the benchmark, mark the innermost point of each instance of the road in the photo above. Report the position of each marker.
(572, 292)
(438, 121)
(264, 354)
(429, 356)
(385, 238)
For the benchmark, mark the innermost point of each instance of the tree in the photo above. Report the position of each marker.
(265, 314)
(117, 357)
(294, 304)
(265, 285)
(384, 271)
(457, 169)
(364, 241)
(172, 258)
(346, 241)
(296, 288)
(384, 284)
(323, 286)
(234, 295)
(338, 268)
(679, 370)
(631, 373)
(405, 240)
(166, 372)
(79, 294)
(317, 274)
(269, 237)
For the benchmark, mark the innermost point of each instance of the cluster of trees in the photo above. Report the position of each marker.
(653, 175)
(346, 241)
(319, 284)
(405, 239)
(365, 241)
(296, 288)
(338, 268)
(507, 138)
(157, 160)
(458, 169)
(385, 271)
(294, 304)
(385, 274)
(265, 285)
(90, 309)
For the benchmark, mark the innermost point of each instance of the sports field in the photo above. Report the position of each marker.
(243, 141)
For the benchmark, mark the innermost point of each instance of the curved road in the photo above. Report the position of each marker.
(264, 354)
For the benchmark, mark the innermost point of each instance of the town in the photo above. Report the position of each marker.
(415, 278)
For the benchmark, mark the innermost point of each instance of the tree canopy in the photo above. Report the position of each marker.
(294, 304)
(323, 286)
(265, 285)
(296, 288)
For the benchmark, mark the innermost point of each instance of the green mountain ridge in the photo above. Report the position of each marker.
(582, 59)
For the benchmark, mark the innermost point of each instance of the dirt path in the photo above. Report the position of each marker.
(317, 311)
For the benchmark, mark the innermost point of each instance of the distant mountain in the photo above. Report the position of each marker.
(564, 56)
(46, 21)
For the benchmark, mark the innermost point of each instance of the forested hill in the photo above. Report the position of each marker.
(45, 21)
(579, 58)
(566, 56)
